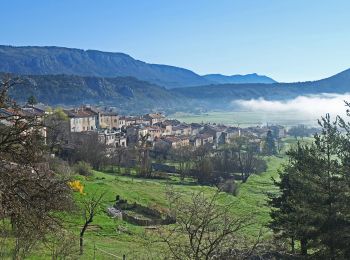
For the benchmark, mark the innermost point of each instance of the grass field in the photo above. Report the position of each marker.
(246, 118)
(110, 236)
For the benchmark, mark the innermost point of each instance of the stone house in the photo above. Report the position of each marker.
(196, 128)
(154, 118)
(154, 132)
(107, 137)
(82, 119)
(112, 138)
(202, 139)
(107, 118)
(120, 140)
(122, 122)
(226, 136)
(182, 129)
(177, 141)
(167, 126)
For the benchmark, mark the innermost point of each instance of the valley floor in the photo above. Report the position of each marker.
(247, 118)
(109, 238)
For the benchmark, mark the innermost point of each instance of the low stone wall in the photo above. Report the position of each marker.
(146, 222)
(155, 217)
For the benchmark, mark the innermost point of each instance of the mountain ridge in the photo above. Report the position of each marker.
(239, 79)
(50, 60)
(131, 94)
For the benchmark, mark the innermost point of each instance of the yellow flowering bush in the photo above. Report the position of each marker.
(76, 186)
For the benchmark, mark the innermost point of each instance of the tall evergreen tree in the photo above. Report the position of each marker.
(313, 204)
(32, 100)
(269, 147)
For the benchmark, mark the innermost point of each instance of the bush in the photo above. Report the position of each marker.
(83, 168)
(59, 166)
(229, 186)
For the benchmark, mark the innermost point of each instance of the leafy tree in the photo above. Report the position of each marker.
(301, 131)
(32, 100)
(312, 206)
(269, 147)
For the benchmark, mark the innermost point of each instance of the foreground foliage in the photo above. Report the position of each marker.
(30, 193)
(313, 206)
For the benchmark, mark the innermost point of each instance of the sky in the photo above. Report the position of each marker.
(288, 40)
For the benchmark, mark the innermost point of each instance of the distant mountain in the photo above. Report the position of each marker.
(63, 76)
(131, 95)
(238, 79)
(128, 94)
(221, 95)
(59, 60)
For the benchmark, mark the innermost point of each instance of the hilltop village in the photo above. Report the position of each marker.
(154, 129)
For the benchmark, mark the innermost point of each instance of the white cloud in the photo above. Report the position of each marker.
(305, 106)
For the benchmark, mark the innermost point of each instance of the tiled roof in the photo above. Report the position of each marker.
(32, 111)
(154, 115)
(81, 112)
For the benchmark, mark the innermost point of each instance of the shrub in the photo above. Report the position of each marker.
(83, 168)
(59, 166)
(76, 186)
(229, 186)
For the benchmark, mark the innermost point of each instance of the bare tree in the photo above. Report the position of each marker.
(62, 245)
(182, 155)
(91, 207)
(30, 192)
(88, 148)
(246, 153)
(57, 125)
(117, 156)
(143, 156)
(204, 229)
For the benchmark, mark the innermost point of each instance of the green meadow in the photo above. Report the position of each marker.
(109, 238)
(247, 118)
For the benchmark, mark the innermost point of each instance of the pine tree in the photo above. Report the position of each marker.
(269, 147)
(313, 204)
(290, 217)
(32, 100)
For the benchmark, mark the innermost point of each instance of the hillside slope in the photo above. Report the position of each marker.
(339, 83)
(126, 93)
(58, 60)
(132, 95)
(238, 79)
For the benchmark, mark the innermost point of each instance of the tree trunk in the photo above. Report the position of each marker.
(303, 247)
(82, 232)
(293, 245)
(81, 244)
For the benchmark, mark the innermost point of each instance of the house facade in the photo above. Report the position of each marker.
(154, 118)
(82, 119)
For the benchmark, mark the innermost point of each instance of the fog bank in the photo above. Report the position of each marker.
(305, 106)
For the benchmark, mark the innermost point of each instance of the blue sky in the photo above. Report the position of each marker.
(289, 40)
